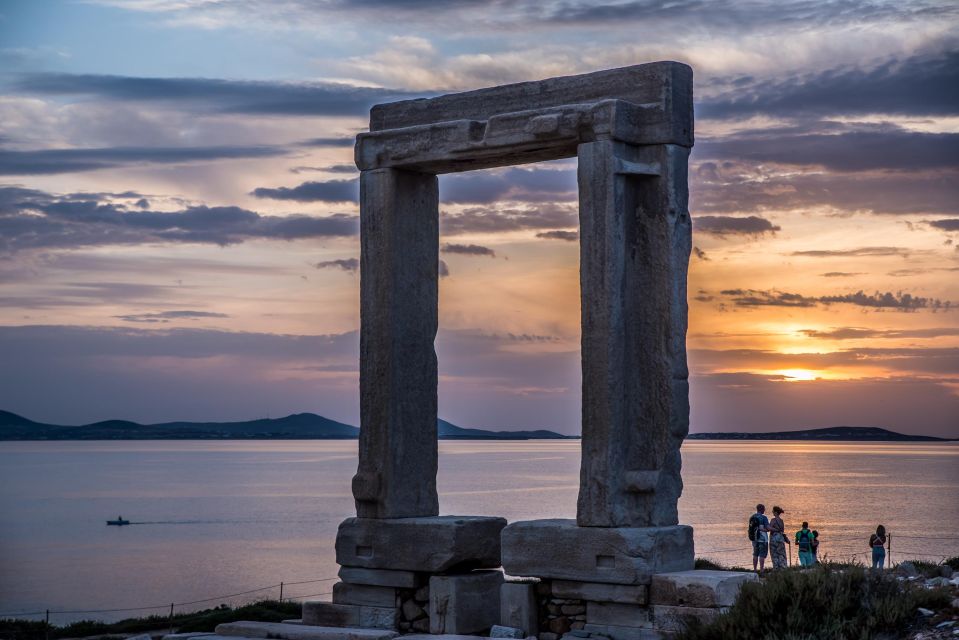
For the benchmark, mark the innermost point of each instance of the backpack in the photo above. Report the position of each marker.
(754, 523)
(805, 541)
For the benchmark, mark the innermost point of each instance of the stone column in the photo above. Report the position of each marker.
(634, 253)
(399, 257)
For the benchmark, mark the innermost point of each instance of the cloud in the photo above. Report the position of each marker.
(215, 95)
(329, 191)
(888, 300)
(736, 188)
(333, 168)
(166, 316)
(924, 84)
(864, 150)
(754, 298)
(480, 187)
(699, 253)
(730, 225)
(854, 253)
(32, 219)
(51, 161)
(509, 185)
(497, 220)
(330, 142)
(841, 274)
(351, 265)
(911, 360)
(860, 333)
(468, 250)
(559, 234)
(444, 269)
(951, 224)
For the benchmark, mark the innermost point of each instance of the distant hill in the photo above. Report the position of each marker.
(865, 434)
(299, 426)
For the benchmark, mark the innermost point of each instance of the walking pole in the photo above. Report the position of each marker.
(889, 551)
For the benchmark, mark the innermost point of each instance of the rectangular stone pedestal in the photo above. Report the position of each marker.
(702, 589)
(465, 604)
(618, 555)
(435, 544)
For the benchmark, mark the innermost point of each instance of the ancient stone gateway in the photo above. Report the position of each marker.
(403, 565)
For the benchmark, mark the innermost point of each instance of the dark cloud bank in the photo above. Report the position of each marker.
(31, 219)
(217, 95)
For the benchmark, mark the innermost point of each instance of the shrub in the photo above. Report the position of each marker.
(826, 602)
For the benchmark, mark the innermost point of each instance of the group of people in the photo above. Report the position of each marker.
(769, 537)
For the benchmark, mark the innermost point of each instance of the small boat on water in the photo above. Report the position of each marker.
(119, 522)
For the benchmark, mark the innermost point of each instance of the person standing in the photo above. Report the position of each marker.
(877, 542)
(778, 539)
(759, 536)
(815, 547)
(804, 545)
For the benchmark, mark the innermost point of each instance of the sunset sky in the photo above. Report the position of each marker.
(178, 216)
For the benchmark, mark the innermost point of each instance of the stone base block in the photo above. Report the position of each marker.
(610, 555)
(281, 631)
(465, 604)
(599, 592)
(698, 588)
(518, 608)
(328, 614)
(417, 636)
(383, 577)
(618, 615)
(432, 544)
(674, 619)
(365, 594)
(623, 633)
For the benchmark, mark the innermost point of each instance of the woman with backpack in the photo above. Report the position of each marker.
(804, 544)
(877, 542)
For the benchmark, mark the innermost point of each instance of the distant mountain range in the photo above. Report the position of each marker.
(309, 426)
(299, 426)
(865, 434)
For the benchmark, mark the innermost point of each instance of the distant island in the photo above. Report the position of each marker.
(299, 426)
(309, 426)
(862, 434)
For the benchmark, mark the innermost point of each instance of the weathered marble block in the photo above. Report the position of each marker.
(599, 592)
(399, 257)
(518, 607)
(347, 615)
(382, 577)
(619, 555)
(620, 615)
(673, 619)
(666, 85)
(466, 603)
(365, 594)
(698, 588)
(432, 545)
(614, 632)
(282, 631)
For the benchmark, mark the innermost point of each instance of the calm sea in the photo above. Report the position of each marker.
(217, 518)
